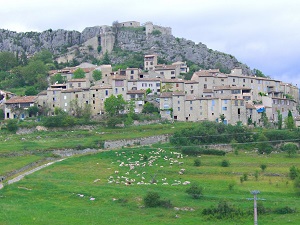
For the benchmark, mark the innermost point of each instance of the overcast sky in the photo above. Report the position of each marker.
(264, 34)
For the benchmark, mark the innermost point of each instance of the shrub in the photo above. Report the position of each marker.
(245, 176)
(290, 148)
(224, 210)
(200, 151)
(197, 162)
(12, 125)
(294, 172)
(152, 199)
(231, 186)
(263, 167)
(225, 163)
(284, 210)
(195, 191)
(297, 185)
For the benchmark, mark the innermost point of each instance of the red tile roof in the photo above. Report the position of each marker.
(23, 99)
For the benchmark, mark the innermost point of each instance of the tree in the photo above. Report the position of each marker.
(45, 56)
(152, 199)
(97, 75)
(32, 70)
(114, 105)
(149, 108)
(57, 78)
(290, 148)
(222, 117)
(263, 144)
(79, 73)
(31, 91)
(7, 61)
(279, 118)
(106, 59)
(289, 121)
(33, 110)
(1, 114)
(258, 73)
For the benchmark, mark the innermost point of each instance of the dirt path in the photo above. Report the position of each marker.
(18, 178)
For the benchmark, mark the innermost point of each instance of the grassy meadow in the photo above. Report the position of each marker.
(53, 194)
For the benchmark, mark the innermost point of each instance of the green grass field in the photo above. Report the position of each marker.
(51, 196)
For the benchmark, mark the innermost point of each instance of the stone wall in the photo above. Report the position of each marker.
(138, 141)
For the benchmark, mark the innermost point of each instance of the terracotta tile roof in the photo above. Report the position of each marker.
(23, 99)
(176, 93)
(77, 80)
(191, 82)
(173, 81)
(101, 87)
(205, 90)
(166, 95)
(136, 92)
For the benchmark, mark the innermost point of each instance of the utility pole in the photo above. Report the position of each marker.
(255, 193)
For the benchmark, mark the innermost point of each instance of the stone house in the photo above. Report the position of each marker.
(150, 61)
(16, 107)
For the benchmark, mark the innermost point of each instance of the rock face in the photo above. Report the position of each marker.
(62, 44)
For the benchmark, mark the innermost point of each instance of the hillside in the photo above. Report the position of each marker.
(93, 42)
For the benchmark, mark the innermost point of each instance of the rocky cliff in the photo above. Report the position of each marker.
(62, 44)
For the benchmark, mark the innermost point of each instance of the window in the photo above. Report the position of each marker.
(244, 80)
(191, 108)
(236, 102)
(233, 80)
(225, 101)
(83, 96)
(76, 96)
(242, 103)
(178, 108)
(200, 106)
(93, 101)
(191, 102)
(131, 77)
(157, 84)
(192, 87)
(205, 79)
(239, 111)
(66, 104)
(65, 97)
(192, 91)
(178, 102)
(224, 108)
(93, 95)
(205, 86)
(132, 72)
(116, 90)
(172, 72)
(251, 81)
(161, 73)
(177, 85)
(222, 79)
(79, 84)
(106, 92)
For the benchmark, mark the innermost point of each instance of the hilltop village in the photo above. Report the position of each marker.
(209, 95)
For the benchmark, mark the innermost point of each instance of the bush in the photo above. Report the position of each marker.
(197, 162)
(224, 210)
(284, 210)
(152, 199)
(113, 121)
(263, 167)
(290, 148)
(200, 151)
(12, 125)
(294, 172)
(195, 191)
(61, 120)
(225, 163)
